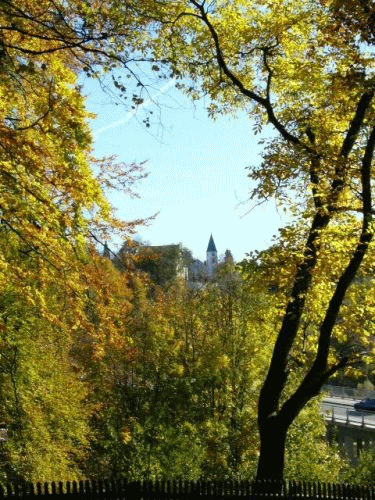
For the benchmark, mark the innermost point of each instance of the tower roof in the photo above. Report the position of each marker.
(106, 251)
(211, 245)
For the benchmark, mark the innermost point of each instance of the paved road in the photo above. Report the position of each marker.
(342, 410)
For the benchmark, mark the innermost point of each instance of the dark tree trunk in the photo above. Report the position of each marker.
(274, 417)
(272, 449)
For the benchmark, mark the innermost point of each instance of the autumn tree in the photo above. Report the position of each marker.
(163, 264)
(285, 63)
(354, 16)
(43, 397)
(178, 400)
(53, 287)
(60, 303)
(94, 36)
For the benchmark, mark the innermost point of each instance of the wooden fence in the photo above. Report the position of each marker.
(185, 490)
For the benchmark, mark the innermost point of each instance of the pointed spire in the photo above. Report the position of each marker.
(106, 251)
(211, 245)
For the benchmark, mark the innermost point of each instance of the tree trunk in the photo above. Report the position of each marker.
(272, 449)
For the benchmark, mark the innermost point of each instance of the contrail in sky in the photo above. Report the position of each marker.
(134, 111)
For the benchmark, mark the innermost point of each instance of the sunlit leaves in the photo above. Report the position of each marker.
(61, 305)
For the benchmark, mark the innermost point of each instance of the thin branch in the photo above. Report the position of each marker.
(349, 141)
(264, 102)
(314, 169)
(33, 247)
(269, 71)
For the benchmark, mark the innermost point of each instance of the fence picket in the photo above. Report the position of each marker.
(186, 490)
(345, 490)
(329, 490)
(334, 491)
(235, 486)
(38, 489)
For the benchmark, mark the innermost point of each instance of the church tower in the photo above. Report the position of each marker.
(211, 262)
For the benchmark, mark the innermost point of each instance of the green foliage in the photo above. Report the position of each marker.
(162, 263)
(363, 472)
(56, 294)
(307, 68)
(44, 404)
(181, 402)
(309, 457)
(93, 373)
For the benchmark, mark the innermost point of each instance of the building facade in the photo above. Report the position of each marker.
(204, 271)
(166, 262)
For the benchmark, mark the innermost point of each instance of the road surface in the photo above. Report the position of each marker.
(342, 410)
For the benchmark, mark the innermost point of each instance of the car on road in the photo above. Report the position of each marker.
(367, 404)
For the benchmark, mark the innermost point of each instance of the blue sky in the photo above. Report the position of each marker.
(197, 178)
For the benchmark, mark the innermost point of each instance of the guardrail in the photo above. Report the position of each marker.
(360, 421)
